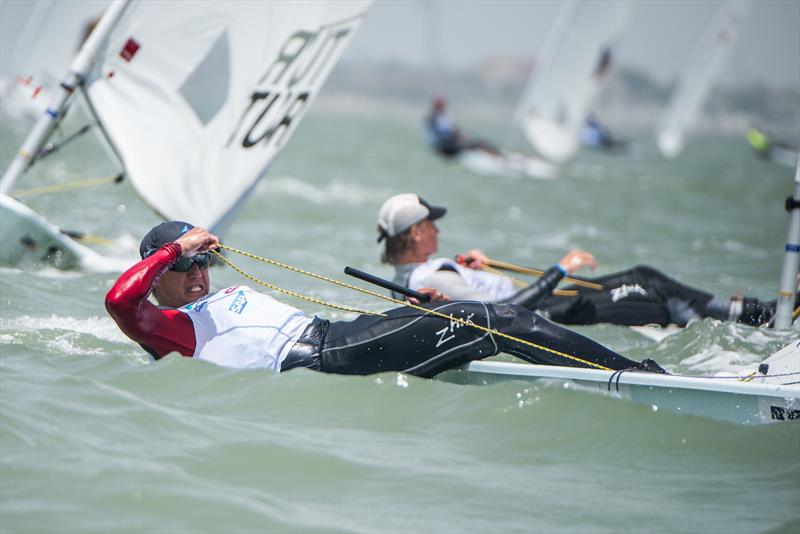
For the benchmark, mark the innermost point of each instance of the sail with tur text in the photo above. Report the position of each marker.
(198, 102)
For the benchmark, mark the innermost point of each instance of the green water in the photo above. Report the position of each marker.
(96, 438)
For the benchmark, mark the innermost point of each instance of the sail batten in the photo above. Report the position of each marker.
(199, 104)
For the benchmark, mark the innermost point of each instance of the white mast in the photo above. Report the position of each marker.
(791, 259)
(74, 78)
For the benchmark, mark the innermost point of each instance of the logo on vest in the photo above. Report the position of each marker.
(624, 290)
(197, 305)
(238, 304)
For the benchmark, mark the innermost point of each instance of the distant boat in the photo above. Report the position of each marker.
(508, 163)
(769, 149)
(597, 136)
(698, 77)
(195, 103)
(478, 155)
(35, 66)
(570, 69)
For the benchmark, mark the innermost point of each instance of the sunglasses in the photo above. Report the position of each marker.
(184, 263)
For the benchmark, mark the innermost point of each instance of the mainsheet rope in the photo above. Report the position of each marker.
(383, 297)
(57, 188)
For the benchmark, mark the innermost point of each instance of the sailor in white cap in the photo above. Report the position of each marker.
(638, 296)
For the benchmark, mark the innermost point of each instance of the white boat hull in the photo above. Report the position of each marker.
(27, 236)
(727, 399)
(784, 156)
(511, 164)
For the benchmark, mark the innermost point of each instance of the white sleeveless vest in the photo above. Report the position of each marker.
(499, 287)
(239, 327)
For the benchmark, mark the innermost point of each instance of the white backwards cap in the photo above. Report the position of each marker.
(401, 212)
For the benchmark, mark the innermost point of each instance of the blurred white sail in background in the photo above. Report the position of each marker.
(36, 55)
(698, 76)
(199, 101)
(570, 69)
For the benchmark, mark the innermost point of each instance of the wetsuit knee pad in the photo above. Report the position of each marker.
(513, 318)
(543, 342)
(523, 324)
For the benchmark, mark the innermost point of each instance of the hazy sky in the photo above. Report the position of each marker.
(659, 38)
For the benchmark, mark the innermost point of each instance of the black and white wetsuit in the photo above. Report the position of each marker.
(639, 296)
(241, 328)
(421, 344)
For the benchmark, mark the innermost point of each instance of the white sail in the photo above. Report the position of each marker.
(199, 98)
(39, 40)
(571, 67)
(698, 76)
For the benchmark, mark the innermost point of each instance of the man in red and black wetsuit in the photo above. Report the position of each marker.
(239, 327)
(162, 330)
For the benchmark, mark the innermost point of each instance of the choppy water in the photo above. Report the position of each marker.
(96, 438)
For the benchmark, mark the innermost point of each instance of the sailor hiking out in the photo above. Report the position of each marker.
(242, 328)
(446, 138)
(638, 296)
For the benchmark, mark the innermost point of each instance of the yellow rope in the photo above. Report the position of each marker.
(517, 282)
(93, 239)
(65, 187)
(565, 292)
(389, 299)
(290, 293)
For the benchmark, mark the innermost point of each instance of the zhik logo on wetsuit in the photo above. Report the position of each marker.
(450, 329)
(238, 304)
(624, 290)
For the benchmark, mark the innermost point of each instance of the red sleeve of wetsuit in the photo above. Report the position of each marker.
(162, 331)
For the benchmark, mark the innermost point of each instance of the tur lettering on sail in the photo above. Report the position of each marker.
(287, 84)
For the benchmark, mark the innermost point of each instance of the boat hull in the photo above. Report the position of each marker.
(510, 164)
(25, 236)
(726, 399)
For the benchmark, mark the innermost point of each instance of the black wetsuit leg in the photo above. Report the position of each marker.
(449, 147)
(424, 345)
(635, 297)
(522, 323)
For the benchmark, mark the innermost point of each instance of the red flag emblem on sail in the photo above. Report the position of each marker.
(129, 50)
